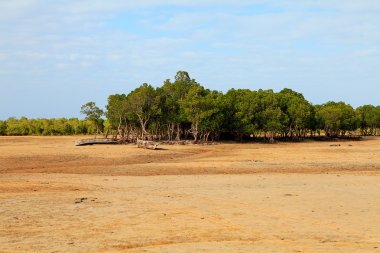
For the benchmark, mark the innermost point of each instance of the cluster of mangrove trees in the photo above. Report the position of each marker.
(184, 109)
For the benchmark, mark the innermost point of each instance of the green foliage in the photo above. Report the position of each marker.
(117, 110)
(299, 112)
(369, 119)
(17, 126)
(93, 114)
(241, 112)
(270, 116)
(194, 105)
(60, 126)
(204, 110)
(337, 118)
(171, 95)
(212, 116)
(3, 127)
(143, 103)
(91, 111)
(184, 108)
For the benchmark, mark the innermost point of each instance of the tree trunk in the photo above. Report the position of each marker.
(194, 130)
(143, 131)
(170, 131)
(271, 140)
(178, 136)
(207, 135)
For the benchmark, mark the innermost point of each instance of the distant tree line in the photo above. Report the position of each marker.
(184, 109)
(60, 126)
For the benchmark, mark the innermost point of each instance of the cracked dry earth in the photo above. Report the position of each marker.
(299, 197)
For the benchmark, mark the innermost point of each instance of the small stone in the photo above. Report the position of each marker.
(79, 200)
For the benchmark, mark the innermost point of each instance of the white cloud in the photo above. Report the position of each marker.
(307, 44)
(14, 9)
(366, 52)
(32, 55)
(3, 56)
(61, 65)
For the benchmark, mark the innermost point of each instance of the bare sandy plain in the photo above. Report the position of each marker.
(287, 197)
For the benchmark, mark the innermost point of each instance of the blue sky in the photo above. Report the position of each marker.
(57, 55)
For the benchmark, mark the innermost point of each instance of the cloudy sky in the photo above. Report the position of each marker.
(57, 55)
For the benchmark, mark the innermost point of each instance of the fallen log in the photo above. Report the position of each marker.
(85, 142)
(147, 144)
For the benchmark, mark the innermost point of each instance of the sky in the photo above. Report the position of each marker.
(57, 55)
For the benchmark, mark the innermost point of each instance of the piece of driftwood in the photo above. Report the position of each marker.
(147, 144)
(95, 141)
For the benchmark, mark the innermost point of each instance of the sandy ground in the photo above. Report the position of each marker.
(299, 197)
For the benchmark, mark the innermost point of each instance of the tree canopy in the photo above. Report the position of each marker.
(184, 109)
(93, 113)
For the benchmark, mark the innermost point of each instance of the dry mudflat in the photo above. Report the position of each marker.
(287, 197)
